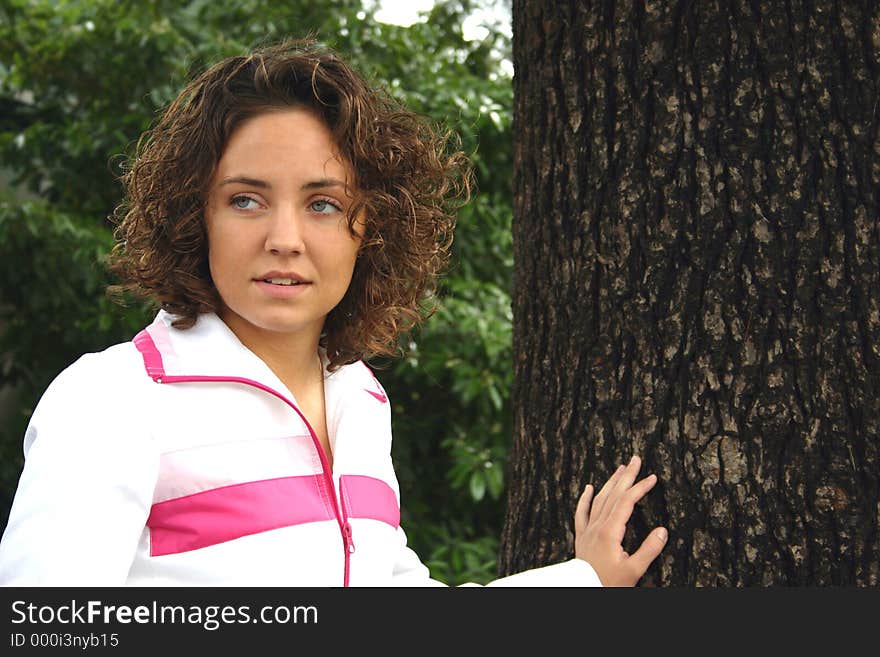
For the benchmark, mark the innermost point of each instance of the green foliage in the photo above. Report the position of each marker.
(80, 81)
(457, 555)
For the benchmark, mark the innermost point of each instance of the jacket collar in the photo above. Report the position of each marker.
(211, 349)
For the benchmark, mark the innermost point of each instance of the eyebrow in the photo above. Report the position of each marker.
(262, 184)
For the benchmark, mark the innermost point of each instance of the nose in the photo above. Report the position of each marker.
(285, 235)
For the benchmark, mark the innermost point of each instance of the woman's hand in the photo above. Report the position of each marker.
(600, 523)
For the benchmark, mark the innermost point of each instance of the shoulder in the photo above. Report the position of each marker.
(359, 375)
(96, 404)
(116, 367)
(367, 373)
(103, 380)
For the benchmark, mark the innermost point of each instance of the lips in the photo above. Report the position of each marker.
(283, 278)
(281, 281)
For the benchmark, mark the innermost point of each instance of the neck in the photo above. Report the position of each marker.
(293, 357)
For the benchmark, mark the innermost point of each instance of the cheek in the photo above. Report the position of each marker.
(216, 273)
(223, 264)
(224, 247)
(210, 240)
(349, 261)
(213, 258)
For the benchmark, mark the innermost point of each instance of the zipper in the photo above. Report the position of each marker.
(350, 539)
(346, 527)
(341, 517)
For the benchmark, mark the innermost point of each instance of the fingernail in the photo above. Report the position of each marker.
(662, 535)
(632, 460)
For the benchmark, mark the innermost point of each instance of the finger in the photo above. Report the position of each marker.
(624, 503)
(623, 480)
(629, 474)
(599, 502)
(648, 551)
(582, 512)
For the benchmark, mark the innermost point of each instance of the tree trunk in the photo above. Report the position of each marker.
(696, 279)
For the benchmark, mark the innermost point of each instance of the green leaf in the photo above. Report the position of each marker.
(494, 479)
(477, 486)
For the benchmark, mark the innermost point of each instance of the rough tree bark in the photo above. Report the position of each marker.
(697, 269)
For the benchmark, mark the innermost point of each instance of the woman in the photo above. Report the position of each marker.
(289, 221)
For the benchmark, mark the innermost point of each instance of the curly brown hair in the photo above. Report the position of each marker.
(410, 183)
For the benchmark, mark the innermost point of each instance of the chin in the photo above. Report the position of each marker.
(272, 322)
(290, 326)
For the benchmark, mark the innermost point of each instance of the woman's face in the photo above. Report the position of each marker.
(279, 248)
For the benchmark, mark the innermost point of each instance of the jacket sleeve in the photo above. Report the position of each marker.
(410, 571)
(86, 488)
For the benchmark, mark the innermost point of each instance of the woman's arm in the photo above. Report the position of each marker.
(86, 489)
(600, 526)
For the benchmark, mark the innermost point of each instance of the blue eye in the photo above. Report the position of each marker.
(324, 206)
(241, 202)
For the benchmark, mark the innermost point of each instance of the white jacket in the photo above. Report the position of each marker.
(181, 459)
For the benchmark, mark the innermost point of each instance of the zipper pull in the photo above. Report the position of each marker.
(349, 540)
